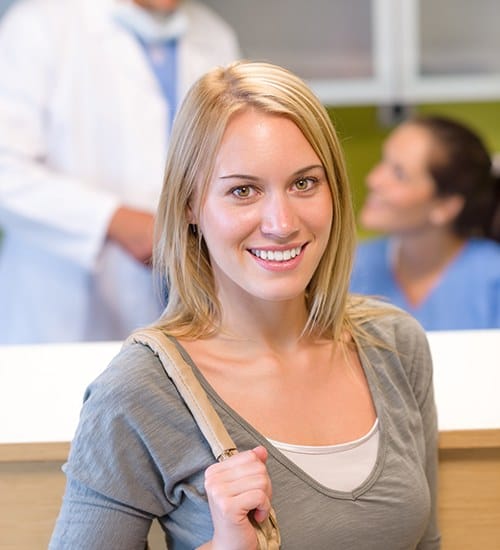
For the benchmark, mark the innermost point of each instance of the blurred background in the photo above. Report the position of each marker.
(373, 62)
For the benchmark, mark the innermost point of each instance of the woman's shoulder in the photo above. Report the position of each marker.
(483, 248)
(134, 396)
(132, 415)
(133, 365)
(480, 261)
(134, 380)
(395, 342)
(371, 266)
(373, 245)
(371, 260)
(386, 323)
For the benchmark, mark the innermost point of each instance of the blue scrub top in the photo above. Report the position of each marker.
(467, 296)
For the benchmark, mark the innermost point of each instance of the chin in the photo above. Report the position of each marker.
(281, 295)
(366, 222)
(374, 221)
(165, 7)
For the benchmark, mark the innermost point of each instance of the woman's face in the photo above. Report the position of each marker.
(267, 211)
(401, 192)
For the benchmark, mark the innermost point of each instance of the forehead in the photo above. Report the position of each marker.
(409, 144)
(263, 140)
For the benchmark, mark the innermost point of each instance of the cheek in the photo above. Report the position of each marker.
(396, 209)
(408, 199)
(418, 206)
(322, 219)
(226, 224)
(412, 211)
(319, 220)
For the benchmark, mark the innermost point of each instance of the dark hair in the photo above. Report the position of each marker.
(460, 164)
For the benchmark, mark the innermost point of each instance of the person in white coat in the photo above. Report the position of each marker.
(85, 111)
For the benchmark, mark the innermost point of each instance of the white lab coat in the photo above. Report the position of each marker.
(83, 129)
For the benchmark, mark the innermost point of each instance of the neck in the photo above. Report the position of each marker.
(419, 255)
(158, 12)
(275, 326)
(418, 262)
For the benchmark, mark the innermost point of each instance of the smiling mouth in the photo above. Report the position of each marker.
(276, 255)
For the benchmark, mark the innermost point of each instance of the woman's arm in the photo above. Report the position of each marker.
(422, 374)
(90, 520)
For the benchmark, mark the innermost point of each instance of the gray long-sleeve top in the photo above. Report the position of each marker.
(138, 454)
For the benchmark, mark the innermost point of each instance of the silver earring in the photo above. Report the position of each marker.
(193, 228)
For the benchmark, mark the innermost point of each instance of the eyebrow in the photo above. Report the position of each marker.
(239, 176)
(254, 178)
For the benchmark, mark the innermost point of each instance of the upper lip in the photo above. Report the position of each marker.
(276, 248)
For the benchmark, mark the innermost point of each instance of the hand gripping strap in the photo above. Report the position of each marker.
(208, 420)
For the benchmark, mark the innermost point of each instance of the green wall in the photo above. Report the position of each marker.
(362, 134)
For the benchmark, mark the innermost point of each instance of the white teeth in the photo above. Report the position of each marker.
(276, 255)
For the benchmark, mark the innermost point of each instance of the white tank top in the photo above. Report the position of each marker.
(341, 467)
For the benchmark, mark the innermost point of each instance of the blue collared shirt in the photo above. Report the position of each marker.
(163, 59)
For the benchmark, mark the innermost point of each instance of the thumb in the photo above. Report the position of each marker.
(261, 453)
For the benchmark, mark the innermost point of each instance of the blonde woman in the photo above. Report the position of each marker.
(329, 399)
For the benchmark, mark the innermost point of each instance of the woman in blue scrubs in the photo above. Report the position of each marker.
(434, 197)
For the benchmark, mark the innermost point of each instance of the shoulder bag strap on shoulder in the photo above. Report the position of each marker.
(209, 422)
(189, 387)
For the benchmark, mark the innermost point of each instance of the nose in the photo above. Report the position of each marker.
(376, 176)
(279, 217)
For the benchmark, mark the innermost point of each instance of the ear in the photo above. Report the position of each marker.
(446, 209)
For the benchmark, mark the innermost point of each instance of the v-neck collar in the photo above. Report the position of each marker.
(286, 462)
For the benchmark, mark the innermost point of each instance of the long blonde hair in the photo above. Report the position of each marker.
(181, 258)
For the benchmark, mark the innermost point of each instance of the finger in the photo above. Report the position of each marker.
(262, 513)
(237, 509)
(243, 460)
(230, 485)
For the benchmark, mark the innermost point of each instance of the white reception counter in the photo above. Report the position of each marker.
(41, 387)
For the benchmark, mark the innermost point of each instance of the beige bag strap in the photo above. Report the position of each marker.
(208, 420)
